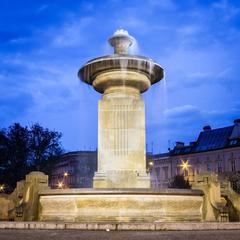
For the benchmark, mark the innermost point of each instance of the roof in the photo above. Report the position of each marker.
(161, 155)
(76, 157)
(79, 152)
(211, 139)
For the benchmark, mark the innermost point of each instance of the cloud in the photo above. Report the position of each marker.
(197, 44)
(228, 9)
(181, 111)
(43, 7)
(189, 29)
(72, 33)
(14, 105)
(196, 75)
(163, 4)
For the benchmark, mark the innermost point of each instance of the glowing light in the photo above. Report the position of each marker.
(60, 184)
(185, 165)
(65, 174)
(151, 163)
(2, 188)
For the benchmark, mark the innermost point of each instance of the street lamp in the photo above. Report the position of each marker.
(151, 163)
(185, 166)
(2, 187)
(60, 185)
(65, 178)
(150, 166)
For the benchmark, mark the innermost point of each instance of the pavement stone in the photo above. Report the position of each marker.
(33, 234)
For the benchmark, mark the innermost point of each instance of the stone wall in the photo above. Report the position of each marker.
(34, 200)
(132, 205)
(22, 204)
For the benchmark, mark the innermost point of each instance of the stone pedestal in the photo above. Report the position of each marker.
(121, 132)
(121, 136)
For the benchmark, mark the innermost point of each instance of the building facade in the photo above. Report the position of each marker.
(74, 170)
(216, 150)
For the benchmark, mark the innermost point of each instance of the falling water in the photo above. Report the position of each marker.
(165, 93)
(134, 48)
(164, 97)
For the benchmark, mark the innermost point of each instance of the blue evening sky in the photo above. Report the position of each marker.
(43, 44)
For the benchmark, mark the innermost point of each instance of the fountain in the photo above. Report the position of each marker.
(121, 190)
(121, 78)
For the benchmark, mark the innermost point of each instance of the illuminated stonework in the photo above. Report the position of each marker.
(121, 78)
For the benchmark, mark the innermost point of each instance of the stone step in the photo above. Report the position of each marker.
(170, 226)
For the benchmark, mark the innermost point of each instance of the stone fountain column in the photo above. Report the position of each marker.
(121, 136)
(121, 115)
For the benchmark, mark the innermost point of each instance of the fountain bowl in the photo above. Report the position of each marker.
(121, 63)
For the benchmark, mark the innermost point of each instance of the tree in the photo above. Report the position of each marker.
(14, 150)
(24, 149)
(235, 181)
(3, 148)
(3, 153)
(180, 182)
(45, 148)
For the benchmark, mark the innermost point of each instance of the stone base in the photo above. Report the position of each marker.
(121, 140)
(121, 179)
(132, 205)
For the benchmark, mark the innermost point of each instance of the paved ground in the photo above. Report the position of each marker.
(118, 235)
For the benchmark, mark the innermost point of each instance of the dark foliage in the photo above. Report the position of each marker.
(180, 182)
(235, 181)
(26, 149)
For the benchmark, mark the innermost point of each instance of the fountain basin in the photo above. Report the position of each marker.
(120, 205)
(121, 63)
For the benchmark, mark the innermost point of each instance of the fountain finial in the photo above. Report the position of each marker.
(121, 41)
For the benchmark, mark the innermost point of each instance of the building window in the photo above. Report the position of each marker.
(233, 142)
(209, 169)
(220, 166)
(165, 172)
(157, 171)
(177, 151)
(233, 165)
